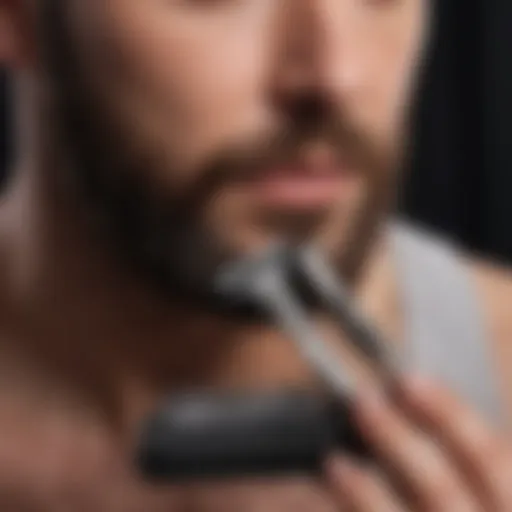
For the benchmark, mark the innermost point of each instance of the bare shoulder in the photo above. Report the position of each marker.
(494, 284)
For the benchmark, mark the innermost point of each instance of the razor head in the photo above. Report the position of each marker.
(286, 283)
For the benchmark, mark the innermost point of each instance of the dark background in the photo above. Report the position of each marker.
(460, 179)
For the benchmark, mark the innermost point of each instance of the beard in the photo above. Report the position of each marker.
(163, 233)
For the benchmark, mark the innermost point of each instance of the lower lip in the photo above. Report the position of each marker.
(293, 191)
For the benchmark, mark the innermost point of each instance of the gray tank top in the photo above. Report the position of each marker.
(444, 328)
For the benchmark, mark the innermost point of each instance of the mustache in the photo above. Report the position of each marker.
(244, 160)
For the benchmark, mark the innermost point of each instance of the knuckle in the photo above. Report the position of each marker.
(459, 504)
(451, 411)
(435, 396)
(451, 499)
(445, 493)
(500, 475)
(482, 446)
(440, 488)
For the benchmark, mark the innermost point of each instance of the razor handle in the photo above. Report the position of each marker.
(198, 436)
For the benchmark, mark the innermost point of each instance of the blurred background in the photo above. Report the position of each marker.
(460, 173)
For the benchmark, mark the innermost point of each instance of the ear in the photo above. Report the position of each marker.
(16, 35)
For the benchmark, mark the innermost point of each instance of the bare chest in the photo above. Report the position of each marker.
(49, 463)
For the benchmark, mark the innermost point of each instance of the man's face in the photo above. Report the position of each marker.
(243, 120)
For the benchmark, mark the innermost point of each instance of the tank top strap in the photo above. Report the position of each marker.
(445, 331)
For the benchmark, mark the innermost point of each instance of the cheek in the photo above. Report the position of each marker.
(196, 79)
(393, 96)
(176, 88)
(391, 60)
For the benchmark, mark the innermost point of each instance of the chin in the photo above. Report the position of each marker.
(253, 242)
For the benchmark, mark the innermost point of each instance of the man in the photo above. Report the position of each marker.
(154, 135)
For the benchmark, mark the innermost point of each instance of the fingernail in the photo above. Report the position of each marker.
(342, 467)
(417, 385)
(371, 401)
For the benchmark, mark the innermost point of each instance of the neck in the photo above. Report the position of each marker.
(101, 331)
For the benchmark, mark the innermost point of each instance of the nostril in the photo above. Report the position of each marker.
(309, 110)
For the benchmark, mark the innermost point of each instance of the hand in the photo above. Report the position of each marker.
(434, 454)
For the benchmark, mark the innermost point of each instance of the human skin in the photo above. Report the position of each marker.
(171, 104)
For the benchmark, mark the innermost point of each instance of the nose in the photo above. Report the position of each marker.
(308, 56)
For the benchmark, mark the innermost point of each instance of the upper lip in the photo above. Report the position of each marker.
(300, 168)
(311, 161)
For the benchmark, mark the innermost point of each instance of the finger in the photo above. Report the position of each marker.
(360, 489)
(417, 461)
(482, 454)
(297, 495)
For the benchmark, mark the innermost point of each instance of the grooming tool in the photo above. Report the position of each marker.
(231, 435)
